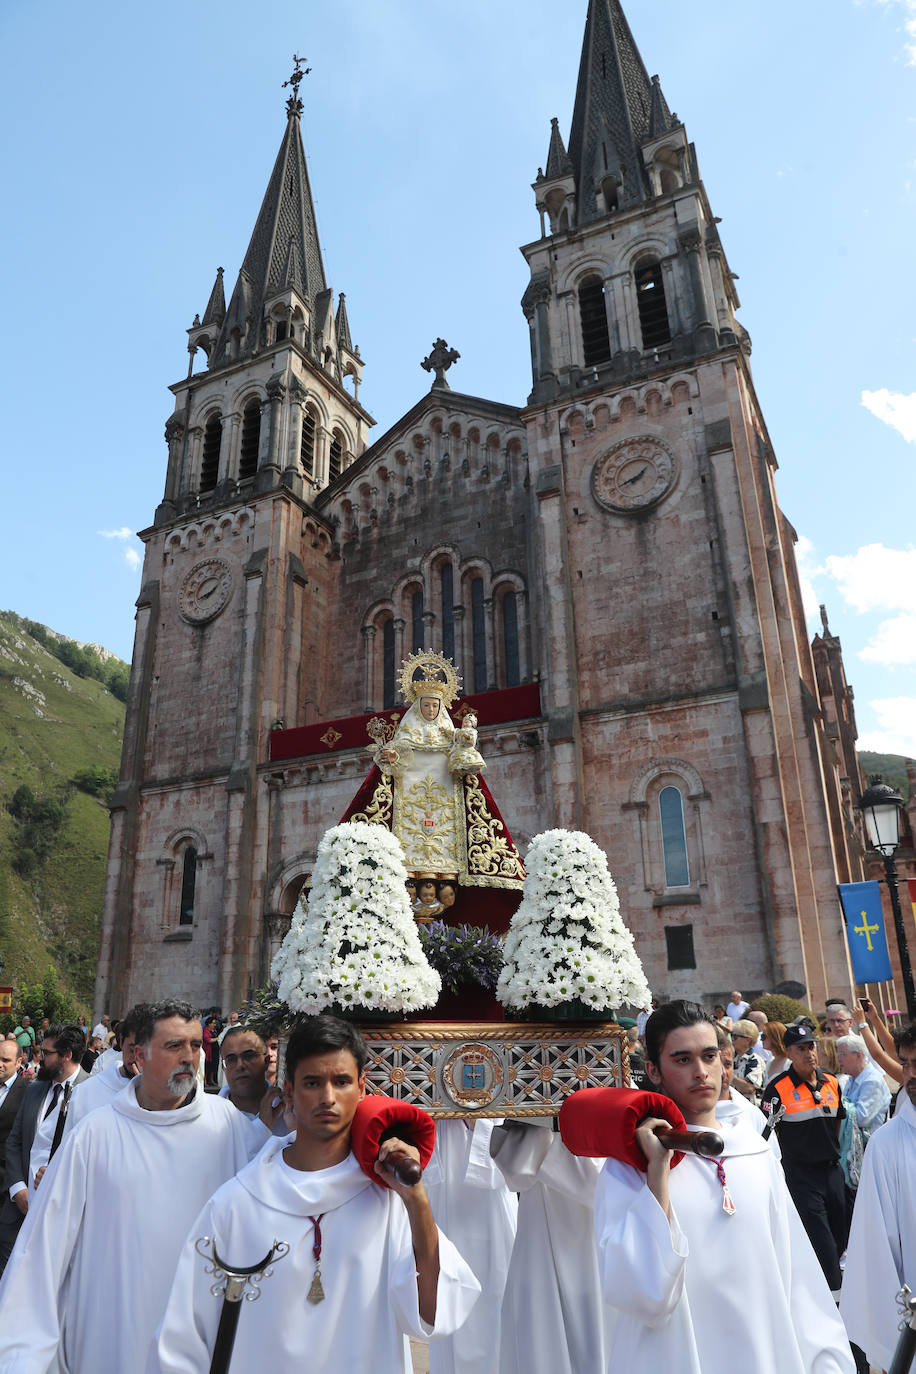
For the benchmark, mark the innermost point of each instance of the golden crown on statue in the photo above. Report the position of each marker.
(438, 677)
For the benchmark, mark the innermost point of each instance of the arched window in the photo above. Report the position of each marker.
(447, 584)
(307, 446)
(674, 837)
(251, 440)
(650, 300)
(596, 345)
(209, 466)
(416, 621)
(188, 885)
(281, 331)
(388, 664)
(479, 631)
(510, 639)
(335, 455)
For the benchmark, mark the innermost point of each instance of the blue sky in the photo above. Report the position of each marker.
(139, 143)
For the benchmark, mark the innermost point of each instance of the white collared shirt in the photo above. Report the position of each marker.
(44, 1131)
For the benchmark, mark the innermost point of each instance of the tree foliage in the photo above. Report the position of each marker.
(44, 998)
(83, 661)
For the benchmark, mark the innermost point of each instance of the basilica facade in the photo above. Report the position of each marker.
(606, 562)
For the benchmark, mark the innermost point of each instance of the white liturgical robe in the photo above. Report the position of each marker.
(478, 1213)
(681, 1305)
(881, 1256)
(553, 1315)
(91, 1269)
(368, 1274)
(95, 1092)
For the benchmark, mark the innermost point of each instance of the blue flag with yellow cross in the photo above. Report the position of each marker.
(865, 935)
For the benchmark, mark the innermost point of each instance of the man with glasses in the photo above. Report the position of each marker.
(35, 1130)
(244, 1060)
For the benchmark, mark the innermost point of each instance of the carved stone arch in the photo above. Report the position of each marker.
(660, 768)
(186, 832)
(581, 269)
(649, 247)
(575, 418)
(246, 391)
(287, 883)
(678, 381)
(434, 558)
(477, 567)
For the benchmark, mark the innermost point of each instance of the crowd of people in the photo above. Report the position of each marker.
(143, 1170)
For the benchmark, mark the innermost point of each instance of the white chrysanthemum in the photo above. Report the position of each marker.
(567, 940)
(355, 942)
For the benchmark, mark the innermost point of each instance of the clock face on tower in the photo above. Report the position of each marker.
(634, 475)
(205, 590)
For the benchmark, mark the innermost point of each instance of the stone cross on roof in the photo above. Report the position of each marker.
(440, 360)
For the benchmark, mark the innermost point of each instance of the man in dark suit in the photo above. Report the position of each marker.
(12, 1091)
(31, 1138)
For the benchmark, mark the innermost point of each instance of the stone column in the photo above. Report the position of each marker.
(690, 243)
(429, 622)
(269, 472)
(462, 647)
(672, 301)
(174, 437)
(190, 475)
(229, 452)
(521, 617)
(491, 641)
(369, 634)
(322, 446)
(399, 654)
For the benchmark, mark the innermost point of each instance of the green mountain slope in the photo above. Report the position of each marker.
(60, 742)
(890, 767)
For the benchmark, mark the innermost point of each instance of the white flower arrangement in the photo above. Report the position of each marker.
(354, 943)
(566, 941)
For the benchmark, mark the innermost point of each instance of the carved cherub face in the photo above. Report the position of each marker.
(470, 721)
(427, 893)
(429, 707)
(447, 894)
(412, 891)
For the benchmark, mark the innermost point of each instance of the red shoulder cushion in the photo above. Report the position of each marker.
(602, 1122)
(379, 1117)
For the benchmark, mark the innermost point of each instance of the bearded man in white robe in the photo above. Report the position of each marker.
(118, 1193)
(478, 1213)
(667, 1238)
(366, 1267)
(881, 1256)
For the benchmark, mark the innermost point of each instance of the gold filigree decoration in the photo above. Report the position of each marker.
(379, 810)
(381, 730)
(427, 826)
(331, 736)
(439, 677)
(491, 860)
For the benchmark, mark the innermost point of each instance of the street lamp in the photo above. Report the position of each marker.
(881, 806)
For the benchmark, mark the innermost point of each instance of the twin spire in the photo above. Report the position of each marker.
(618, 107)
(284, 254)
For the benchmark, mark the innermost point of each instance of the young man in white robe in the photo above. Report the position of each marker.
(553, 1314)
(366, 1266)
(116, 1195)
(478, 1213)
(667, 1238)
(881, 1256)
(98, 1090)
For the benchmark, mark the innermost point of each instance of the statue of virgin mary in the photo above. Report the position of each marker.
(426, 785)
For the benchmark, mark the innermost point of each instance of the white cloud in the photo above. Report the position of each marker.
(909, 26)
(893, 408)
(894, 642)
(896, 732)
(876, 578)
(132, 556)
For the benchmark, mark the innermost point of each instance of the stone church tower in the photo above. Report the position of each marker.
(607, 563)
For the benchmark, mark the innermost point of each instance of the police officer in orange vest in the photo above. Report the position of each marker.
(807, 1107)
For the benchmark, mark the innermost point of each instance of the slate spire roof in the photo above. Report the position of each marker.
(215, 312)
(617, 107)
(343, 324)
(558, 161)
(284, 251)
